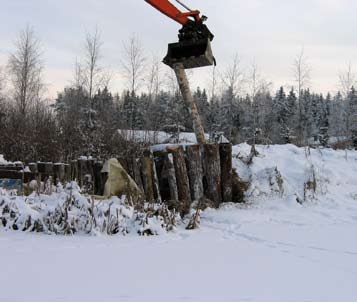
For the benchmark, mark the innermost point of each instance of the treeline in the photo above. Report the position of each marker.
(85, 116)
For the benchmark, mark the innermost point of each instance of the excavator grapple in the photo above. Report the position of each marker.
(191, 54)
(194, 47)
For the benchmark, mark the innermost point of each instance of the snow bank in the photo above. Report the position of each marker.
(297, 174)
(283, 174)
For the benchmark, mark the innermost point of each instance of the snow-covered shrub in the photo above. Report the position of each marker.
(267, 182)
(67, 212)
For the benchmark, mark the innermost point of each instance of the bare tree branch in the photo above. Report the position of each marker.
(347, 79)
(233, 76)
(153, 78)
(302, 71)
(133, 63)
(25, 68)
(91, 73)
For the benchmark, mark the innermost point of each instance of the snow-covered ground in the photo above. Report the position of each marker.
(272, 249)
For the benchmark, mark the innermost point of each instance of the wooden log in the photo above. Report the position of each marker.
(98, 178)
(49, 168)
(67, 171)
(33, 167)
(82, 169)
(45, 170)
(59, 173)
(225, 152)
(10, 174)
(136, 173)
(171, 177)
(11, 167)
(212, 174)
(90, 175)
(190, 102)
(29, 176)
(195, 171)
(159, 158)
(126, 165)
(41, 167)
(74, 170)
(183, 183)
(156, 184)
(19, 164)
(147, 176)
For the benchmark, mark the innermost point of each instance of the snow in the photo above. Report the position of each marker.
(271, 249)
(161, 137)
(2, 160)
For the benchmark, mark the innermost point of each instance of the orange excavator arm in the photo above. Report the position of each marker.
(167, 8)
(194, 46)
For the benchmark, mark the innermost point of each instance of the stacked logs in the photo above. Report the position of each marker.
(180, 175)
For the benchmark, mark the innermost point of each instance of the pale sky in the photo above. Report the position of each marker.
(269, 32)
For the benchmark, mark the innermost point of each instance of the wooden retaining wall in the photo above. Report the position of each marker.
(179, 174)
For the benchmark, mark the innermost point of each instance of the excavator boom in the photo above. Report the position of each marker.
(194, 46)
(167, 8)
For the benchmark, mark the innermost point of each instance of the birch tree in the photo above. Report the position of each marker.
(133, 63)
(95, 77)
(25, 69)
(347, 79)
(301, 71)
(233, 76)
(302, 77)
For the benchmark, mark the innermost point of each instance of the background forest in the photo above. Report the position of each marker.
(84, 118)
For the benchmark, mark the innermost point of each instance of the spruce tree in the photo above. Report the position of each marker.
(353, 116)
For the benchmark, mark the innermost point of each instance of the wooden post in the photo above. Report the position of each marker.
(225, 152)
(171, 176)
(155, 178)
(98, 180)
(195, 171)
(74, 170)
(183, 184)
(137, 174)
(190, 102)
(33, 168)
(82, 168)
(147, 173)
(212, 174)
(67, 169)
(59, 173)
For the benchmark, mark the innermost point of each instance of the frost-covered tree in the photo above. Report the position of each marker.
(283, 113)
(200, 96)
(228, 114)
(353, 116)
(324, 120)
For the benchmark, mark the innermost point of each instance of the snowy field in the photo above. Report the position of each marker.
(272, 249)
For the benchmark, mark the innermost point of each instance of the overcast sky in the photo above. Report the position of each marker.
(269, 32)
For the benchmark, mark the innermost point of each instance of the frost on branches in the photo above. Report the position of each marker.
(67, 212)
